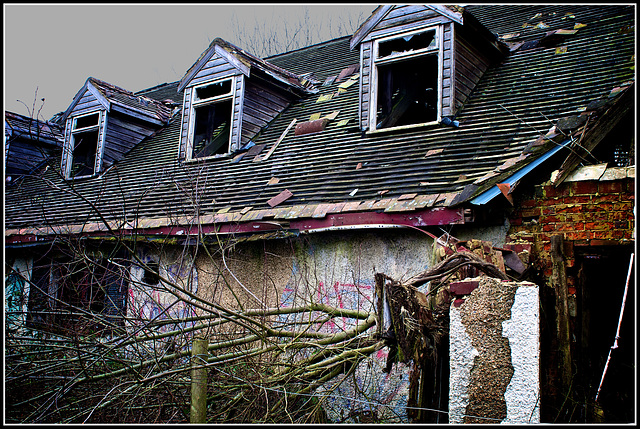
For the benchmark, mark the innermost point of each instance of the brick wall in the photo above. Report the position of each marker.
(587, 213)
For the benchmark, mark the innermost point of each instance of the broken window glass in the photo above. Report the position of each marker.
(213, 90)
(409, 43)
(212, 118)
(407, 92)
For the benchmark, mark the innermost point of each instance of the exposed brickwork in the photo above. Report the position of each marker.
(585, 212)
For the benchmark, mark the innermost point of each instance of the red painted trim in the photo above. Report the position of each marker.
(429, 217)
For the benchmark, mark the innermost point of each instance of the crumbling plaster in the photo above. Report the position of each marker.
(494, 349)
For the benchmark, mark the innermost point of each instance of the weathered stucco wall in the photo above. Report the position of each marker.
(495, 354)
(337, 269)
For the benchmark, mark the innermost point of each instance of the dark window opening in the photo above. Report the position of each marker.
(407, 92)
(405, 44)
(151, 274)
(87, 121)
(84, 153)
(77, 296)
(618, 148)
(213, 90)
(212, 128)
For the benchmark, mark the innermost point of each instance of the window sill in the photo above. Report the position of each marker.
(403, 127)
(207, 158)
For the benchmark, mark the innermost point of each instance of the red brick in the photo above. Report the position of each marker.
(584, 187)
(568, 208)
(610, 187)
(515, 222)
(549, 227)
(621, 224)
(605, 198)
(532, 212)
(603, 242)
(528, 203)
(600, 216)
(578, 237)
(575, 217)
(602, 235)
(598, 207)
(622, 206)
(548, 210)
(551, 191)
(620, 215)
(552, 219)
(579, 199)
(631, 186)
(596, 226)
(571, 226)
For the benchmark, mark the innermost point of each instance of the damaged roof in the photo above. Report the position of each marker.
(335, 167)
(111, 95)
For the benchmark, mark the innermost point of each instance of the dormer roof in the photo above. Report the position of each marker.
(454, 13)
(113, 97)
(243, 61)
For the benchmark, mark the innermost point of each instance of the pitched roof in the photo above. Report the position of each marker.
(340, 169)
(33, 129)
(244, 61)
(111, 95)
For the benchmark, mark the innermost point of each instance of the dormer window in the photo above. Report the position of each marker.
(211, 118)
(406, 70)
(85, 144)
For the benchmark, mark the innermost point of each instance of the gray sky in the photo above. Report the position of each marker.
(54, 48)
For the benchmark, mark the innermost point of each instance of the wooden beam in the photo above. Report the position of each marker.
(559, 283)
(598, 132)
(264, 158)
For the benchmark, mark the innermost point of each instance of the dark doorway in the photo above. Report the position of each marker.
(602, 275)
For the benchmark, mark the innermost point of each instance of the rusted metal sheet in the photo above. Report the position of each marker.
(438, 216)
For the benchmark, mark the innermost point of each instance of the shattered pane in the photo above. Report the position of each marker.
(408, 43)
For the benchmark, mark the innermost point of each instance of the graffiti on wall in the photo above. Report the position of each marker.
(16, 291)
(159, 302)
(368, 393)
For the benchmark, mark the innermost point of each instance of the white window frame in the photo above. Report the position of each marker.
(72, 143)
(200, 103)
(375, 62)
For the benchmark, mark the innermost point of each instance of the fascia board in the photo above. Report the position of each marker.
(215, 49)
(243, 68)
(101, 98)
(366, 27)
(195, 68)
(443, 10)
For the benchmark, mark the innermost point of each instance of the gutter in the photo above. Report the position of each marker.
(494, 191)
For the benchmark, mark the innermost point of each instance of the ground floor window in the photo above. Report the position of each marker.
(77, 293)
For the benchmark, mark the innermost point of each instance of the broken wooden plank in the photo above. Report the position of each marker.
(284, 133)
